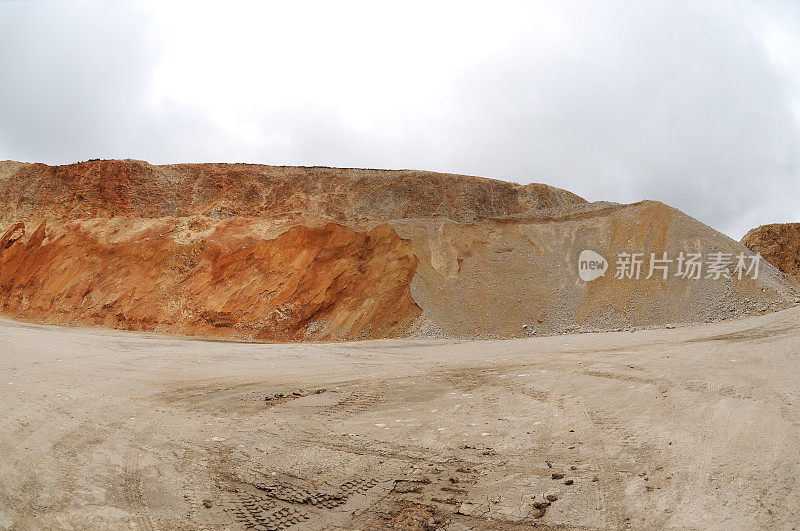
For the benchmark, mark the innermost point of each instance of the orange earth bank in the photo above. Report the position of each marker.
(229, 250)
(308, 283)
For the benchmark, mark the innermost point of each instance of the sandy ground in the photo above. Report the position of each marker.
(685, 428)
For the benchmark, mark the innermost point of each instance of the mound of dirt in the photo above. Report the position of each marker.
(779, 244)
(519, 276)
(291, 254)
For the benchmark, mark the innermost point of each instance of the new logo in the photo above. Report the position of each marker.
(591, 265)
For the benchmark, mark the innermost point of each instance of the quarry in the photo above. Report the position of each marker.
(229, 346)
(268, 253)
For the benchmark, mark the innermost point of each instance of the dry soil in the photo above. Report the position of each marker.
(695, 427)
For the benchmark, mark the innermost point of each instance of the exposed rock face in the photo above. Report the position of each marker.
(129, 188)
(779, 244)
(273, 253)
(319, 283)
(229, 250)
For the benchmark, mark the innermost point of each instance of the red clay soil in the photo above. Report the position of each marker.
(779, 244)
(319, 283)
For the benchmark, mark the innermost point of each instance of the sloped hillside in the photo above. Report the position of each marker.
(129, 188)
(518, 276)
(292, 254)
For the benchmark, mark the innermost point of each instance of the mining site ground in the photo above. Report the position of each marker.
(695, 427)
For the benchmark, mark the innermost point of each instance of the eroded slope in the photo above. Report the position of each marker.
(519, 276)
(296, 253)
(779, 244)
(319, 283)
(130, 188)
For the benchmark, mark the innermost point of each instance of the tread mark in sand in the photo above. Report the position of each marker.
(299, 495)
(361, 400)
(260, 512)
(132, 489)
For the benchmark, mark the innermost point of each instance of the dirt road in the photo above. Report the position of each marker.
(684, 428)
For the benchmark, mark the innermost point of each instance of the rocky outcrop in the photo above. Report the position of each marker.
(779, 244)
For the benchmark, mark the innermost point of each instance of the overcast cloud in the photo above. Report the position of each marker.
(696, 104)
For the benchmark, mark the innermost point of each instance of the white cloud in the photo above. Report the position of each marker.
(691, 103)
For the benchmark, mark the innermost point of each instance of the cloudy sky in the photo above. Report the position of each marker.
(696, 104)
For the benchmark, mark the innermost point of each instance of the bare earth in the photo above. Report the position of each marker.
(269, 253)
(683, 428)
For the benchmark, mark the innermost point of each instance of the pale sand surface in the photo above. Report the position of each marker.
(685, 428)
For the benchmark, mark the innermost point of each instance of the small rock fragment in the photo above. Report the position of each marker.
(539, 508)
